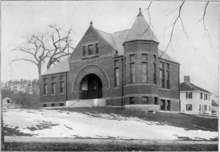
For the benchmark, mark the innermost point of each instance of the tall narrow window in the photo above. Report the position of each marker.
(168, 76)
(45, 86)
(201, 95)
(84, 50)
(188, 107)
(61, 83)
(144, 68)
(132, 68)
(53, 86)
(97, 48)
(162, 76)
(155, 69)
(116, 72)
(90, 49)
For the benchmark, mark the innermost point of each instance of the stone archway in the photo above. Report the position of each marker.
(91, 87)
(86, 71)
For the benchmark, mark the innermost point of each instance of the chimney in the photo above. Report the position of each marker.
(186, 78)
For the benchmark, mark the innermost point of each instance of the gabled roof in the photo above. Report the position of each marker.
(108, 37)
(140, 30)
(187, 86)
(61, 67)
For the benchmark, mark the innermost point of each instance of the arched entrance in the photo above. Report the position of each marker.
(91, 87)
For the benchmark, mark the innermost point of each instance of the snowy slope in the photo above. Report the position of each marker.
(56, 123)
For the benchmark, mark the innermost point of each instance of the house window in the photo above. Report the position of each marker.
(145, 100)
(205, 107)
(116, 73)
(45, 86)
(44, 105)
(97, 48)
(132, 68)
(53, 86)
(206, 96)
(90, 49)
(188, 107)
(162, 75)
(188, 95)
(155, 69)
(132, 100)
(84, 50)
(144, 68)
(168, 76)
(52, 104)
(61, 83)
(200, 108)
(201, 95)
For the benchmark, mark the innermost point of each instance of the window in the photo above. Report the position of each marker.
(8, 101)
(168, 76)
(155, 100)
(45, 86)
(205, 107)
(206, 96)
(116, 73)
(132, 68)
(201, 95)
(132, 58)
(52, 104)
(84, 50)
(61, 104)
(61, 83)
(131, 100)
(90, 49)
(162, 75)
(145, 100)
(200, 108)
(97, 48)
(188, 107)
(132, 72)
(124, 70)
(155, 70)
(53, 86)
(144, 68)
(188, 95)
(44, 105)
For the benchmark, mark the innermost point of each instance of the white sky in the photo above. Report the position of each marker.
(198, 56)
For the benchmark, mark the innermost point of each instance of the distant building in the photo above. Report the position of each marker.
(194, 100)
(9, 104)
(124, 68)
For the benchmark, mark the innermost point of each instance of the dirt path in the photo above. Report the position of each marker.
(102, 141)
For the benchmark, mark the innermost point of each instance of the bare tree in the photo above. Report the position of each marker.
(47, 48)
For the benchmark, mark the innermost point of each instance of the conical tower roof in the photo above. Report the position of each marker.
(140, 30)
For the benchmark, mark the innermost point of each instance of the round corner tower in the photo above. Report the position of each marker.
(141, 64)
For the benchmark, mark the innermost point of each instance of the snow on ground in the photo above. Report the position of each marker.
(77, 125)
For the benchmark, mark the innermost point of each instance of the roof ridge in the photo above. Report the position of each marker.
(103, 31)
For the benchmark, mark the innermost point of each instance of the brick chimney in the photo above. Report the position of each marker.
(186, 78)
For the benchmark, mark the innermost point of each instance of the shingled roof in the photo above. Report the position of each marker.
(140, 30)
(187, 86)
(61, 67)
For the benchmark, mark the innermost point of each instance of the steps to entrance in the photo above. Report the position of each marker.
(86, 103)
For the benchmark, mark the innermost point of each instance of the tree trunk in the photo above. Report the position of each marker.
(39, 70)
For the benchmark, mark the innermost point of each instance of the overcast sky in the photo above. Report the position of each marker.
(198, 54)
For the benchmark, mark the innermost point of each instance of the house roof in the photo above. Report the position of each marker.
(187, 86)
(61, 67)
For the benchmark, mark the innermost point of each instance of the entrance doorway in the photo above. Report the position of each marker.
(91, 87)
